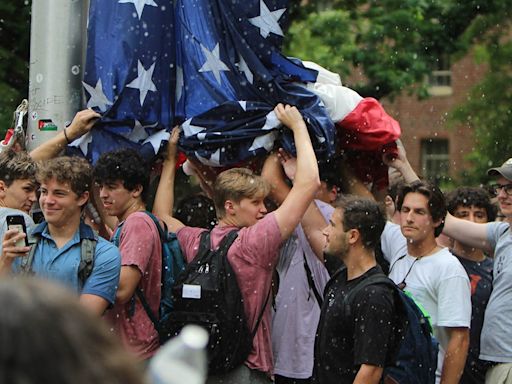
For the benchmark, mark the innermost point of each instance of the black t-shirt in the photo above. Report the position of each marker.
(344, 342)
(480, 276)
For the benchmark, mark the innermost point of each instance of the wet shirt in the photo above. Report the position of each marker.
(140, 247)
(61, 264)
(480, 276)
(297, 311)
(253, 256)
(496, 338)
(345, 341)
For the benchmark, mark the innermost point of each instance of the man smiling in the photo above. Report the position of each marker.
(65, 183)
(496, 344)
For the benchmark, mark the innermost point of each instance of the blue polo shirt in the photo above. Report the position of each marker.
(61, 264)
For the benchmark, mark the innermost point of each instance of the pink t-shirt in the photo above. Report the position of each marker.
(140, 246)
(252, 256)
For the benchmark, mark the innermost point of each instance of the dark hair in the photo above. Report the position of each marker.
(365, 215)
(329, 173)
(16, 166)
(196, 211)
(124, 165)
(394, 188)
(74, 170)
(47, 336)
(469, 196)
(436, 202)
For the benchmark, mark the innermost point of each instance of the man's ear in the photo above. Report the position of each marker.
(333, 194)
(353, 236)
(229, 207)
(137, 191)
(3, 187)
(82, 199)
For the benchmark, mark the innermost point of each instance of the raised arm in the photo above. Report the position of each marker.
(307, 180)
(272, 171)
(467, 232)
(164, 198)
(313, 222)
(401, 163)
(81, 124)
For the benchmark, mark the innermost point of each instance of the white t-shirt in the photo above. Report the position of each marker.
(438, 282)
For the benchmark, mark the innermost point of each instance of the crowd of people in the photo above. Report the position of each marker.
(325, 236)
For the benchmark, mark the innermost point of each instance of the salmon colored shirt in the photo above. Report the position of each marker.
(140, 247)
(253, 257)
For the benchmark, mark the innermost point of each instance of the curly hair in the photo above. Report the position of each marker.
(124, 165)
(73, 170)
(47, 336)
(470, 196)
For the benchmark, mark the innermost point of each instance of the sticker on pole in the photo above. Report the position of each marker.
(47, 125)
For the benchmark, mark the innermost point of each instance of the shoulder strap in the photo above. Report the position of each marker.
(138, 290)
(311, 282)
(87, 251)
(260, 316)
(26, 262)
(370, 280)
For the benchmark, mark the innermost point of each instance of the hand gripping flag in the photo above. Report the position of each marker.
(214, 65)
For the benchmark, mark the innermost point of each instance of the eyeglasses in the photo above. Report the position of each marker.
(506, 187)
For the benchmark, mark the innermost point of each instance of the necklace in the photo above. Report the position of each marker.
(403, 284)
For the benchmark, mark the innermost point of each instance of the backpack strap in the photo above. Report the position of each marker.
(260, 316)
(138, 290)
(370, 280)
(311, 282)
(87, 251)
(26, 262)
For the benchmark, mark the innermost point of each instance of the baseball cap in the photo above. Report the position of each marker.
(505, 170)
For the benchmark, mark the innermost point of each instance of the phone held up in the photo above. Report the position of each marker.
(18, 222)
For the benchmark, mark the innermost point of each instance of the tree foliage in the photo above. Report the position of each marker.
(14, 57)
(489, 108)
(393, 44)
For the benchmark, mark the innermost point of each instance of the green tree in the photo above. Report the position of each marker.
(14, 57)
(488, 110)
(393, 44)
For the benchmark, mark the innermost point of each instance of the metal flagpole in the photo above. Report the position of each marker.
(57, 52)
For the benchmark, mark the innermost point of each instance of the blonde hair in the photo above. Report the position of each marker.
(236, 184)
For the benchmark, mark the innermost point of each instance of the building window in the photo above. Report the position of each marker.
(435, 159)
(440, 79)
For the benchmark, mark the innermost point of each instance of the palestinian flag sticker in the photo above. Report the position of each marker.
(47, 125)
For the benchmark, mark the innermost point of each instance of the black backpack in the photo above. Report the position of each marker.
(414, 358)
(207, 294)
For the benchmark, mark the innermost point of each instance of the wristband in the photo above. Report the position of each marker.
(66, 136)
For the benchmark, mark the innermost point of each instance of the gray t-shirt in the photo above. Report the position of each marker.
(4, 212)
(496, 338)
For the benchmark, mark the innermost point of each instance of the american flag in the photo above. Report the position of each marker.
(214, 65)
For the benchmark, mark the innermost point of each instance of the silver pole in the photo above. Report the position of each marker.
(57, 51)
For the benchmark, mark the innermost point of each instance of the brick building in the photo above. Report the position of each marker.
(434, 149)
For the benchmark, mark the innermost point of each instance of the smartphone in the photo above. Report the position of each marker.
(18, 222)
